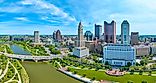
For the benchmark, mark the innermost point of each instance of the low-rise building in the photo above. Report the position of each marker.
(153, 49)
(48, 41)
(90, 45)
(142, 50)
(119, 54)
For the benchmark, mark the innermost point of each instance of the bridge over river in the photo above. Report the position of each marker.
(29, 57)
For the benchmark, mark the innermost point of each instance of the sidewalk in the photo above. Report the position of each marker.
(84, 79)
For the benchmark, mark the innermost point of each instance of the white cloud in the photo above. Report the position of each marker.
(51, 8)
(22, 19)
(141, 4)
(26, 2)
(11, 9)
(39, 7)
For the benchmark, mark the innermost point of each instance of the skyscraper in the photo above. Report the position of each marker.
(54, 35)
(80, 35)
(125, 39)
(80, 50)
(98, 31)
(88, 35)
(110, 32)
(134, 38)
(58, 35)
(36, 37)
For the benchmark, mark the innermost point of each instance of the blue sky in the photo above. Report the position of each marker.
(25, 16)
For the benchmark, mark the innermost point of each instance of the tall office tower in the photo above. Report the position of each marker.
(125, 39)
(58, 35)
(88, 35)
(80, 36)
(54, 35)
(80, 50)
(134, 38)
(11, 38)
(36, 37)
(110, 32)
(98, 31)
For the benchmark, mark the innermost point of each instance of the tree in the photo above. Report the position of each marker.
(129, 81)
(96, 69)
(84, 75)
(93, 78)
(150, 72)
(75, 72)
(144, 68)
(70, 50)
(106, 63)
(90, 67)
(144, 81)
(68, 69)
(140, 72)
(129, 64)
(142, 62)
(137, 64)
(132, 71)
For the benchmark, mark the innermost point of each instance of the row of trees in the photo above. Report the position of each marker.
(53, 50)
(79, 62)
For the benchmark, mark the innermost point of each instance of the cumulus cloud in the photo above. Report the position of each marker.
(38, 8)
(68, 12)
(49, 8)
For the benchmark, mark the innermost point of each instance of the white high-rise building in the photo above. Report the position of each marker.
(119, 54)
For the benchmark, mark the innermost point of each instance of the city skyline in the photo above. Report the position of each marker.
(26, 16)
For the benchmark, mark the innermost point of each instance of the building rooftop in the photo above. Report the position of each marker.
(81, 48)
(117, 45)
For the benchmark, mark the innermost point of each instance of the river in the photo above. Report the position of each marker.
(42, 72)
(18, 50)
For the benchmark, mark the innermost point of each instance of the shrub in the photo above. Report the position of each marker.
(93, 78)
(75, 72)
(144, 81)
(84, 75)
(129, 81)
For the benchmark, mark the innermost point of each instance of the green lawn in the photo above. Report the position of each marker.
(44, 73)
(100, 75)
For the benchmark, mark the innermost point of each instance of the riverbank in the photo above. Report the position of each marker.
(24, 74)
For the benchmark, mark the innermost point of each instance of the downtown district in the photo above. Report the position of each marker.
(116, 50)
